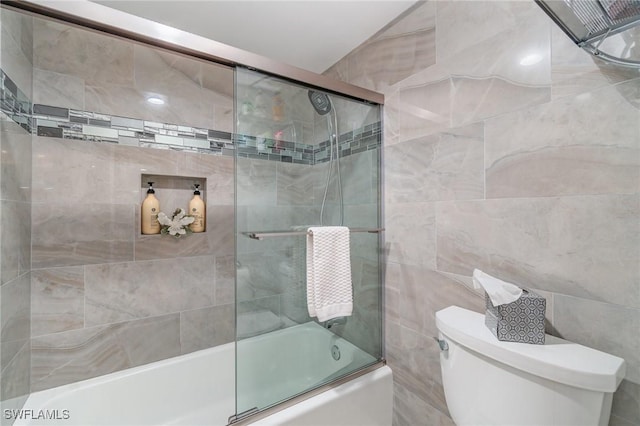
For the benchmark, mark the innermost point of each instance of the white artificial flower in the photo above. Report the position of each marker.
(176, 225)
(163, 219)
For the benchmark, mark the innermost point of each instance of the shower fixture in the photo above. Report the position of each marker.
(323, 106)
(320, 102)
(597, 26)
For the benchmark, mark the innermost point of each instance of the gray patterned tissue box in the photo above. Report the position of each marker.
(520, 321)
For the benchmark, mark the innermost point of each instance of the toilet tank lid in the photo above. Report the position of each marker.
(558, 359)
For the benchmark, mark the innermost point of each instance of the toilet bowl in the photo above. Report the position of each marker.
(490, 382)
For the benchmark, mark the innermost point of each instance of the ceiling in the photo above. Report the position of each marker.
(309, 34)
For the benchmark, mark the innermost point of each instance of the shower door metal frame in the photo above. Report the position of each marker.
(117, 23)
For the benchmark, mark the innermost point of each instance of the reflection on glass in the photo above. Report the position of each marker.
(287, 179)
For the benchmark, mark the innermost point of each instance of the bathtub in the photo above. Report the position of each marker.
(199, 388)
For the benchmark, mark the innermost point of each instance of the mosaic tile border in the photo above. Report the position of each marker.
(68, 123)
(14, 103)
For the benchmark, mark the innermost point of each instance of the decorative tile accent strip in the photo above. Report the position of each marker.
(364, 139)
(57, 122)
(90, 126)
(14, 103)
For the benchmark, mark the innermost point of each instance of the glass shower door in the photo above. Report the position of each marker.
(287, 180)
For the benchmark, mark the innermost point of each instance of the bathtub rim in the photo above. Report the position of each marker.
(251, 417)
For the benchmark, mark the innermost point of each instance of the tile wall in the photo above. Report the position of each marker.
(530, 173)
(103, 297)
(15, 213)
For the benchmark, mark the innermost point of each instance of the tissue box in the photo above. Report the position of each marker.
(520, 321)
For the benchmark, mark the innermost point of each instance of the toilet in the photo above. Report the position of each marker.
(490, 382)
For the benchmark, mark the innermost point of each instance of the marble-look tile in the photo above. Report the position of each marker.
(352, 115)
(410, 233)
(12, 23)
(80, 234)
(391, 119)
(294, 184)
(126, 291)
(185, 97)
(410, 410)
(71, 356)
(609, 328)
(565, 148)
(15, 239)
(422, 292)
(217, 78)
(294, 302)
(16, 60)
(474, 99)
(618, 421)
(424, 108)
(574, 71)
(15, 165)
(95, 172)
(62, 90)
(16, 374)
(364, 327)
(150, 339)
(218, 170)
(626, 404)
(415, 360)
(151, 247)
(223, 117)
(439, 167)
(266, 273)
(127, 101)
(225, 280)
(418, 17)
(339, 70)
(207, 327)
(256, 182)
(570, 245)
(363, 245)
(405, 47)
(15, 312)
(57, 300)
(359, 177)
(73, 51)
(485, 38)
(222, 236)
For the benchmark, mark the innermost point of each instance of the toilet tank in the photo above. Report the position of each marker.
(490, 382)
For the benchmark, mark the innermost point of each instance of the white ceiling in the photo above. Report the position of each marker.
(310, 34)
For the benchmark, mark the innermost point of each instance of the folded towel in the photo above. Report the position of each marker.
(329, 289)
(500, 292)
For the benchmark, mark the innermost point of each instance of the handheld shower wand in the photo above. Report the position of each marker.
(323, 106)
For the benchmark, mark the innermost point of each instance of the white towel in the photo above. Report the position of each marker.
(500, 292)
(329, 289)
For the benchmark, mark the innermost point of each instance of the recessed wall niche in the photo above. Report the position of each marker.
(172, 192)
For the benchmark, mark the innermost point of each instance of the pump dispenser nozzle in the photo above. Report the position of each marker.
(150, 190)
(197, 210)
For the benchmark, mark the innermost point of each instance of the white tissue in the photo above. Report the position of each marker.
(500, 292)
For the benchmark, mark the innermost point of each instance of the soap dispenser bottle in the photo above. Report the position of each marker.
(149, 212)
(197, 210)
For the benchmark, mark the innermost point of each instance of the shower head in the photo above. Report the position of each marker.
(320, 102)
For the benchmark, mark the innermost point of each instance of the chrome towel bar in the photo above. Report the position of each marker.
(262, 235)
